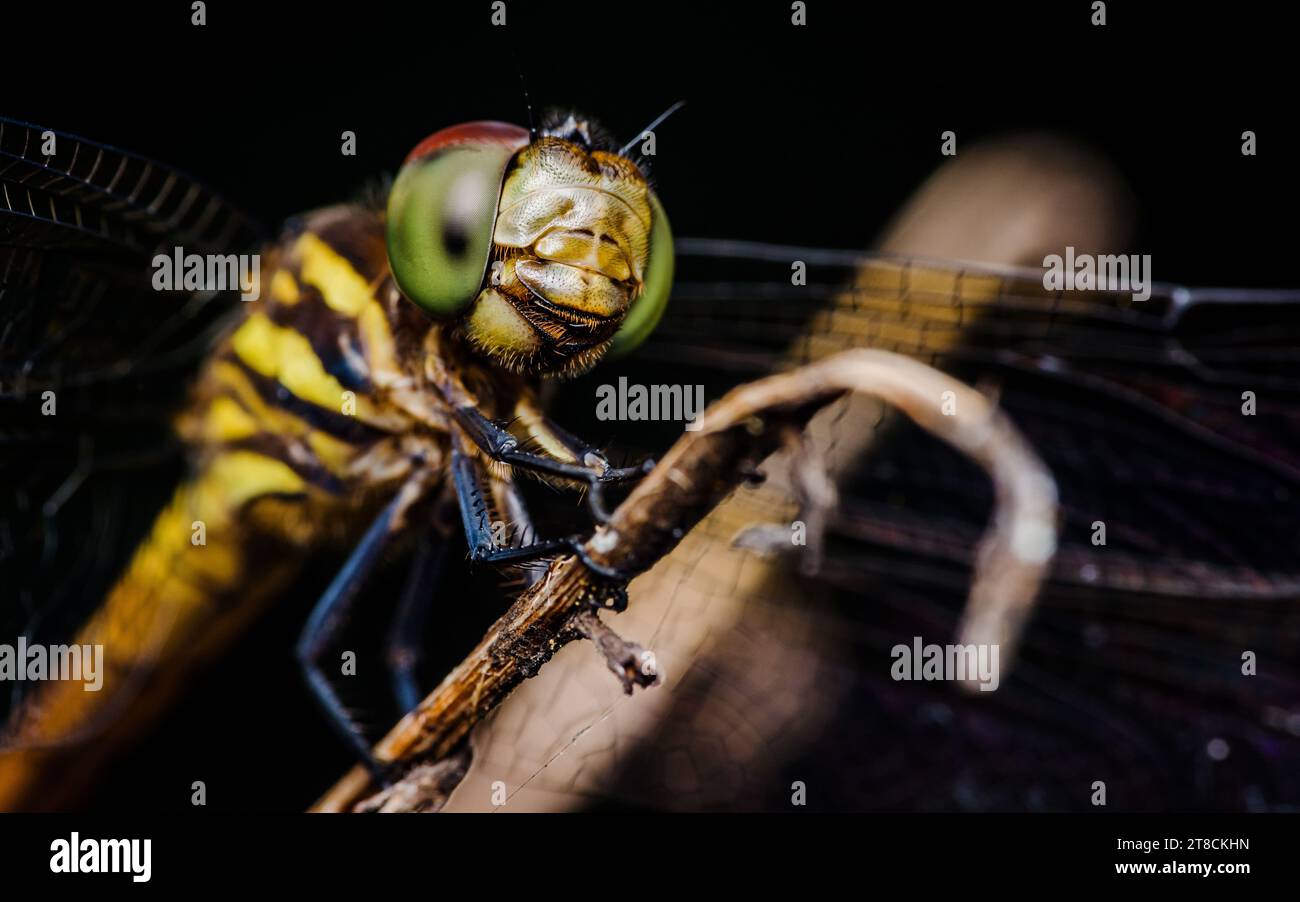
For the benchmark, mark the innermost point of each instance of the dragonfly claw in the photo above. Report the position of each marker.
(616, 577)
(610, 475)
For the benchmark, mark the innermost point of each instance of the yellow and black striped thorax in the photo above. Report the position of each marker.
(319, 389)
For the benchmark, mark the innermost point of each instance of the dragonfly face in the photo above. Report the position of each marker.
(546, 252)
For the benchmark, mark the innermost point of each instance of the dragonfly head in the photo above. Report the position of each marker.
(547, 251)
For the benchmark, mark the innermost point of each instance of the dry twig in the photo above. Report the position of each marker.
(739, 431)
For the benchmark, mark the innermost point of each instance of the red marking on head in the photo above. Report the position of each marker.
(485, 132)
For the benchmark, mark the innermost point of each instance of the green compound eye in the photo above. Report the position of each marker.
(647, 310)
(441, 215)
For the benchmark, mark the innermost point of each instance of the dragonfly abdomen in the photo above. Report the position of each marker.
(186, 591)
(296, 432)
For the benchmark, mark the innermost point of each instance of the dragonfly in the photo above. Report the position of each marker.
(337, 402)
(1136, 407)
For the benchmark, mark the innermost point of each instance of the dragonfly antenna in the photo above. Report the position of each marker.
(652, 126)
(523, 82)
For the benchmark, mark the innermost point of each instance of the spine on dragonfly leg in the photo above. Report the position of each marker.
(204, 570)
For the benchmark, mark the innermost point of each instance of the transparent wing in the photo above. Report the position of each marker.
(1173, 418)
(1132, 669)
(93, 361)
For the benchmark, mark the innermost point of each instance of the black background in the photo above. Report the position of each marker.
(808, 135)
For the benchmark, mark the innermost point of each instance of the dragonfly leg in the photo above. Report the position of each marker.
(405, 646)
(327, 620)
(483, 544)
(594, 458)
(593, 469)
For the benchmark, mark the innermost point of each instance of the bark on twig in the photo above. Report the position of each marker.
(632, 664)
(738, 432)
